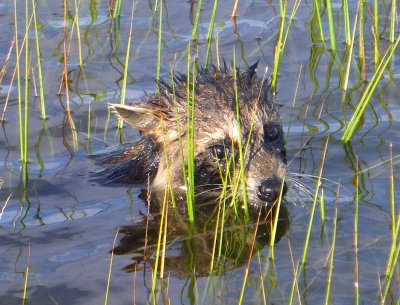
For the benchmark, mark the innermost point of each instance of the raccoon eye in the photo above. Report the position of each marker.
(219, 152)
(272, 133)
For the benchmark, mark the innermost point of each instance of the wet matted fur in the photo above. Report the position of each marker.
(162, 120)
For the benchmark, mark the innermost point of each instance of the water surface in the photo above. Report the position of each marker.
(68, 221)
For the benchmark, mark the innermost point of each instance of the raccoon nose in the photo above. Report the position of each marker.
(270, 189)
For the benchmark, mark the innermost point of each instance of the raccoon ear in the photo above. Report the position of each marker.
(251, 71)
(144, 119)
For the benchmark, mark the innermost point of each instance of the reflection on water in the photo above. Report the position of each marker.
(192, 248)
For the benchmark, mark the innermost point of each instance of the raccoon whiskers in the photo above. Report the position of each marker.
(314, 178)
(301, 186)
(218, 187)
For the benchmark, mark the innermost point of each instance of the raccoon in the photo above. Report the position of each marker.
(236, 126)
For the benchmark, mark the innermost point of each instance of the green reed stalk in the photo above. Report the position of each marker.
(89, 122)
(317, 7)
(391, 197)
(26, 276)
(190, 158)
(166, 156)
(350, 54)
(275, 224)
(179, 127)
(247, 268)
(294, 284)
(361, 35)
(39, 63)
(69, 118)
(322, 205)
(282, 8)
(26, 104)
(395, 226)
(281, 41)
(310, 222)
(78, 32)
(376, 33)
(240, 147)
(221, 234)
(261, 279)
(221, 206)
(368, 91)
(392, 20)
(332, 257)
(117, 9)
(196, 21)
(160, 17)
(356, 217)
(159, 241)
(297, 87)
(392, 262)
(190, 100)
(278, 47)
(164, 239)
(211, 32)
(128, 50)
(331, 25)
(17, 51)
(110, 268)
(217, 224)
(346, 21)
(217, 52)
(106, 124)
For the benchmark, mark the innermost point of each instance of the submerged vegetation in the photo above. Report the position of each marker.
(352, 48)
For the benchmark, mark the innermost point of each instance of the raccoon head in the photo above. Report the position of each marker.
(236, 131)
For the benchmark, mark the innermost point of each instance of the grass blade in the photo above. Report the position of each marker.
(367, 93)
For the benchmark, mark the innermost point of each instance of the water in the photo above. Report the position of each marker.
(68, 221)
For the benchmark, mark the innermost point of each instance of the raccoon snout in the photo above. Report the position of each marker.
(270, 189)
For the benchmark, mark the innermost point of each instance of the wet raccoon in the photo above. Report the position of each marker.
(162, 119)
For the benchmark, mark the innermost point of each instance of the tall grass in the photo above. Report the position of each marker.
(39, 62)
(368, 91)
(247, 268)
(356, 229)
(210, 32)
(26, 91)
(346, 18)
(394, 252)
(350, 54)
(65, 80)
(3, 71)
(317, 187)
(160, 27)
(361, 35)
(317, 12)
(242, 163)
(110, 268)
(26, 277)
(332, 256)
(393, 19)
(375, 32)
(78, 32)
(128, 48)
(331, 25)
(190, 126)
(282, 39)
(3, 208)
(190, 130)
